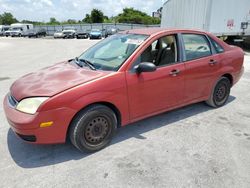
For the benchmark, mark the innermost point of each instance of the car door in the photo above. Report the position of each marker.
(152, 92)
(202, 66)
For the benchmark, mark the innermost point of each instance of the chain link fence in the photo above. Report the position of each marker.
(51, 29)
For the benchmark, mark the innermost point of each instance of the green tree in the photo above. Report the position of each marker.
(130, 15)
(53, 21)
(97, 16)
(70, 21)
(32, 22)
(87, 19)
(7, 19)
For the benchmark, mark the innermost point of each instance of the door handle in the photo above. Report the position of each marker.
(212, 62)
(174, 72)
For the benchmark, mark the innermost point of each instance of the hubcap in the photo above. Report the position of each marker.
(96, 130)
(220, 93)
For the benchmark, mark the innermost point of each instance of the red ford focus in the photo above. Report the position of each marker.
(124, 78)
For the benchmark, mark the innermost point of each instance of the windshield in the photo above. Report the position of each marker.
(16, 28)
(111, 53)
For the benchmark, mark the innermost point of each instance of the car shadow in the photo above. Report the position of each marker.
(32, 156)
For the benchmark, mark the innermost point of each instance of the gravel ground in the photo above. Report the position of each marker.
(195, 146)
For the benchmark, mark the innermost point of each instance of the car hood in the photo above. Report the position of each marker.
(53, 80)
(69, 31)
(81, 32)
(58, 33)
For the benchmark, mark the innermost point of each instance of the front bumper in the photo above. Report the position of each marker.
(15, 34)
(95, 36)
(27, 126)
(69, 36)
(84, 36)
(59, 36)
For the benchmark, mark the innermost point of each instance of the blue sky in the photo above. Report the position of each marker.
(42, 10)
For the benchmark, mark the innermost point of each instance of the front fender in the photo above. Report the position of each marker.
(119, 100)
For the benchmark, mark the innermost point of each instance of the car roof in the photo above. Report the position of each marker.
(158, 30)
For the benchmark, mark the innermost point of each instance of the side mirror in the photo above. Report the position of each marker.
(145, 67)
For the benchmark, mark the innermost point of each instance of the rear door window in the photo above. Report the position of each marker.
(196, 46)
(218, 48)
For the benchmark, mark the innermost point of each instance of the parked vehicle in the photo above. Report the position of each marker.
(110, 31)
(3, 29)
(69, 34)
(58, 34)
(35, 33)
(218, 17)
(82, 34)
(95, 34)
(7, 33)
(18, 29)
(124, 78)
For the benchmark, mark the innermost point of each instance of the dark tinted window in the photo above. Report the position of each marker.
(196, 46)
(218, 48)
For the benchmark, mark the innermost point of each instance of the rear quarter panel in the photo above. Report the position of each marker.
(235, 58)
(232, 60)
(233, 63)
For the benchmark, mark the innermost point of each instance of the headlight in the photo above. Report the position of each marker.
(30, 105)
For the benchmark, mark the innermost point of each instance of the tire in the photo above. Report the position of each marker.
(93, 128)
(220, 93)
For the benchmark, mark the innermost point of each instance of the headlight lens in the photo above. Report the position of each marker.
(30, 105)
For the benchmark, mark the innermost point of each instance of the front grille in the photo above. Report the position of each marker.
(28, 138)
(12, 101)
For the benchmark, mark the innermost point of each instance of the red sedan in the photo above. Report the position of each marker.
(122, 79)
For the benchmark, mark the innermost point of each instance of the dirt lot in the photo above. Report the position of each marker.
(195, 146)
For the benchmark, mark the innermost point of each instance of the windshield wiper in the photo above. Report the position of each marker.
(76, 61)
(88, 63)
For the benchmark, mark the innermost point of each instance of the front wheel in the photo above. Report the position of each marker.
(93, 128)
(220, 93)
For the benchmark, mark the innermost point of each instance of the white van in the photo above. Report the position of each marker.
(4, 28)
(18, 29)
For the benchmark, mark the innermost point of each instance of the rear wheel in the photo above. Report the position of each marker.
(220, 93)
(93, 128)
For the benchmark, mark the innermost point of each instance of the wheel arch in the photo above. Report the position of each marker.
(108, 104)
(229, 76)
